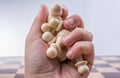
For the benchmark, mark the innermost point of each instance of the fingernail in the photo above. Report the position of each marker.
(69, 22)
(65, 10)
(69, 54)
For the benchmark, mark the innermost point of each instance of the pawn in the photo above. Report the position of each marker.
(53, 22)
(47, 36)
(56, 10)
(61, 34)
(53, 50)
(58, 48)
(62, 54)
(82, 67)
(45, 27)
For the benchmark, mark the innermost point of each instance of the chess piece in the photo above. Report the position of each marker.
(81, 66)
(56, 11)
(45, 27)
(47, 36)
(62, 54)
(59, 49)
(51, 52)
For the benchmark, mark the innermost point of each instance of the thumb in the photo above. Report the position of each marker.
(38, 21)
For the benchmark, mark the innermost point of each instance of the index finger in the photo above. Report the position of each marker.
(78, 34)
(72, 22)
(64, 12)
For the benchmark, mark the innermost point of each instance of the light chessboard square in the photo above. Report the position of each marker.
(100, 61)
(106, 69)
(9, 66)
(7, 75)
(110, 58)
(95, 75)
(20, 71)
(115, 65)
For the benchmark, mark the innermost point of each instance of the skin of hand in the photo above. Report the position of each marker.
(38, 65)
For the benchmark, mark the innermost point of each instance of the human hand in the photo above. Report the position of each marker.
(38, 65)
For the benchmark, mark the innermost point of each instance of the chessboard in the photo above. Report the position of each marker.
(104, 67)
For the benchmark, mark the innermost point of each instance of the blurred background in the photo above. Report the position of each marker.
(101, 17)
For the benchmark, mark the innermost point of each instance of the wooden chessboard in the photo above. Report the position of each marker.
(104, 67)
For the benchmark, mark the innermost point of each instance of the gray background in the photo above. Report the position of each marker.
(101, 17)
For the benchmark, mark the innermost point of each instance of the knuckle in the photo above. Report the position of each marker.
(91, 36)
(82, 48)
(91, 46)
(87, 35)
(76, 16)
(80, 45)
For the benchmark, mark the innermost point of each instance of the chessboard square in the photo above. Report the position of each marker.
(97, 57)
(22, 62)
(118, 69)
(94, 70)
(14, 59)
(22, 66)
(3, 58)
(115, 65)
(12, 62)
(113, 61)
(7, 75)
(95, 75)
(102, 65)
(106, 69)
(19, 76)
(10, 66)
(111, 75)
(20, 71)
(2, 62)
(100, 62)
(110, 58)
(7, 71)
(118, 57)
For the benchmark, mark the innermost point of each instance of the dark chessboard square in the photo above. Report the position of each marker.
(102, 65)
(111, 75)
(15, 59)
(3, 58)
(118, 57)
(94, 70)
(8, 71)
(118, 69)
(113, 61)
(98, 57)
(22, 66)
(19, 76)
(12, 62)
